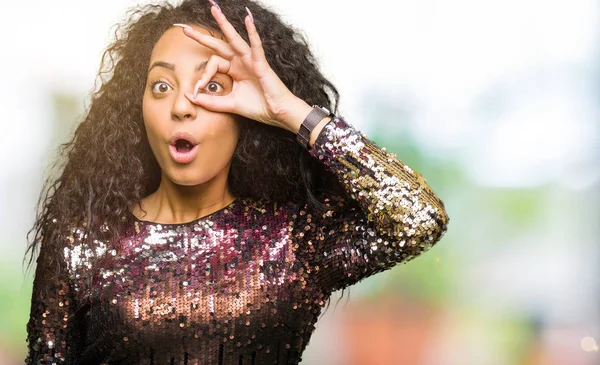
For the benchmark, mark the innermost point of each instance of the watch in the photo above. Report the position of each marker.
(310, 122)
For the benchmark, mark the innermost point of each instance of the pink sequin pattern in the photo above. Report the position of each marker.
(243, 285)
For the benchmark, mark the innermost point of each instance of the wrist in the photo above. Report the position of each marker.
(295, 116)
(296, 113)
(317, 130)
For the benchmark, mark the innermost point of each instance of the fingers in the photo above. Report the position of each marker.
(235, 40)
(217, 103)
(223, 104)
(256, 48)
(215, 64)
(219, 46)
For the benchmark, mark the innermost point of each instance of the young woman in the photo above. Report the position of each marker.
(209, 206)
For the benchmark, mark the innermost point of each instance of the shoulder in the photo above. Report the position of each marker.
(262, 205)
(61, 246)
(78, 243)
(271, 209)
(59, 235)
(330, 207)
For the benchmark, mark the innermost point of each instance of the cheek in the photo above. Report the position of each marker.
(151, 115)
(229, 135)
(224, 131)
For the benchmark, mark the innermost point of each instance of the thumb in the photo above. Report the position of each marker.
(214, 103)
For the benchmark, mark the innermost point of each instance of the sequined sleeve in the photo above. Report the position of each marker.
(51, 331)
(391, 215)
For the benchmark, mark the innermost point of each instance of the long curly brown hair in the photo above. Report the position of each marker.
(108, 165)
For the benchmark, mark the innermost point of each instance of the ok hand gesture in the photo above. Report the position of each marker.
(257, 92)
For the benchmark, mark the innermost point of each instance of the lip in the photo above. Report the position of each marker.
(183, 157)
(183, 135)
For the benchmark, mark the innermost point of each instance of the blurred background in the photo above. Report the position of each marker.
(495, 102)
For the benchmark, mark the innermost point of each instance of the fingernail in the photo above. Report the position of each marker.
(249, 13)
(215, 4)
(184, 26)
(196, 87)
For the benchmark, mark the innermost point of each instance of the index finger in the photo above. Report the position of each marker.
(235, 40)
(220, 47)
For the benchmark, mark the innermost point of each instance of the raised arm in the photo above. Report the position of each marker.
(391, 216)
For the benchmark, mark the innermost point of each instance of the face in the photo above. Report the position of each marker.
(191, 144)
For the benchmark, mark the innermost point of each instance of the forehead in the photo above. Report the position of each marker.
(174, 46)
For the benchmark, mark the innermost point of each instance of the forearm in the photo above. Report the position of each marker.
(390, 214)
(295, 115)
(393, 196)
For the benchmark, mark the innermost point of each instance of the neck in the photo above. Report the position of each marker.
(172, 203)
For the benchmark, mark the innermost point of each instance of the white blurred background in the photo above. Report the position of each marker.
(496, 103)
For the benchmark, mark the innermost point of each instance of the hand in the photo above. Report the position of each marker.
(257, 93)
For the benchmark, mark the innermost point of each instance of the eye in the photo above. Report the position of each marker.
(213, 87)
(160, 87)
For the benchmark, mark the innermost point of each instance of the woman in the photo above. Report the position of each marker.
(207, 210)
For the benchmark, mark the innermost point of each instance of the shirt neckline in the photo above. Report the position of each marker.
(210, 215)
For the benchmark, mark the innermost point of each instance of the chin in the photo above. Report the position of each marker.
(186, 176)
(187, 180)
(195, 173)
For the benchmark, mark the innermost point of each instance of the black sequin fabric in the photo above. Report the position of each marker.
(243, 285)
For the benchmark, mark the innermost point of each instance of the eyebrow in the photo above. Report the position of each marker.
(170, 66)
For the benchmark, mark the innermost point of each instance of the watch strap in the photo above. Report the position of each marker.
(310, 122)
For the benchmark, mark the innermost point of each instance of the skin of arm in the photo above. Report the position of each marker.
(298, 110)
(259, 93)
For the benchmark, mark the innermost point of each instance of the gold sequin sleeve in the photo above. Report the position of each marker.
(391, 215)
(52, 335)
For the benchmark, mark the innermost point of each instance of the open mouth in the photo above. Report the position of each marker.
(183, 145)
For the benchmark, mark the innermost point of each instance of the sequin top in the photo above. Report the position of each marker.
(242, 285)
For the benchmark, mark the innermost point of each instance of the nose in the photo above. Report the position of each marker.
(183, 108)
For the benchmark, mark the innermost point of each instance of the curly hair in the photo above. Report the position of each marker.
(108, 166)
